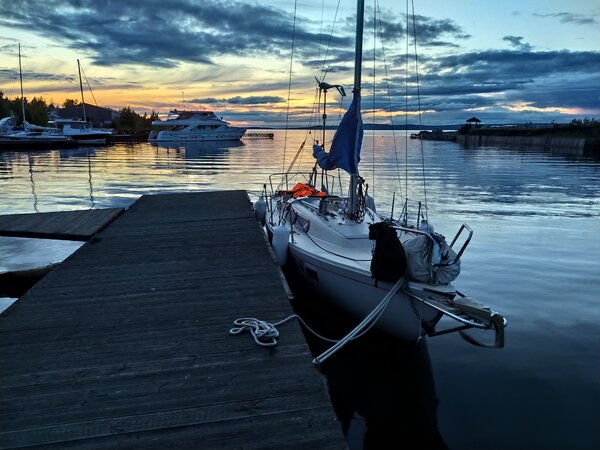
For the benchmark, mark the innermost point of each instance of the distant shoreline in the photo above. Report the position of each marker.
(500, 129)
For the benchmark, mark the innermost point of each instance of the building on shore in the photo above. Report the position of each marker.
(98, 116)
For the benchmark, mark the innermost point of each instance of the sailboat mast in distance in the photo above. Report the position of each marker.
(81, 89)
(21, 79)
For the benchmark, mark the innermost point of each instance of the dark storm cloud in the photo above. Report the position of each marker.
(10, 74)
(431, 31)
(238, 100)
(113, 32)
(483, 79)
(508, 65)
(565, 17)
(428, 31)
(149, 33)
(584, 94)
(163, 34)
(517, 42)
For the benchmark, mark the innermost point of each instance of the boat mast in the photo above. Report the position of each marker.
(360, 14)
(21, 78)
(81, 89)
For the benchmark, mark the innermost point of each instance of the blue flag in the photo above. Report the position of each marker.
(344, 153)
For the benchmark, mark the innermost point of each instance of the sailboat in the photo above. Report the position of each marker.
(31, 135)
(79, 129)
(394, 274)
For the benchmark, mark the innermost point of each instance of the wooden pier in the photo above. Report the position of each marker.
(66, 225)
(264, 135)
(126, 344)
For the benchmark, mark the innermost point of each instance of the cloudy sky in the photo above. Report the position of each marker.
(503, 61)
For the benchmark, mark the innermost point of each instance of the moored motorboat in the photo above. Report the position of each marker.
(81, 131)
(193, 126)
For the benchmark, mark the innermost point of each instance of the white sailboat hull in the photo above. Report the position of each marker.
(332, 257)
(358, 294)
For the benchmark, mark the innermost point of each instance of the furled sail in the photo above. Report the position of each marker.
(345, 148)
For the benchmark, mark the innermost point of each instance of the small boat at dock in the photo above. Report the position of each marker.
(29, 136)
(393, 273)
(81, 131)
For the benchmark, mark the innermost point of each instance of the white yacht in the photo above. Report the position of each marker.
(193, 126)
(81, 131)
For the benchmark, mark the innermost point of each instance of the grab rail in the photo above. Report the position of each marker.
(464, 246)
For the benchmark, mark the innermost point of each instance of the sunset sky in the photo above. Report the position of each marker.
(503, 61)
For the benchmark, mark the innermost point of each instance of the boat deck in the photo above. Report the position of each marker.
(127, 344)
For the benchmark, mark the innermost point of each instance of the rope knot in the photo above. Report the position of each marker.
(264, 333)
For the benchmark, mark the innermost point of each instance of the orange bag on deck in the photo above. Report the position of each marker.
(304, 190)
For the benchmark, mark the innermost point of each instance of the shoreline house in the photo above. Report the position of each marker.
(96, 115)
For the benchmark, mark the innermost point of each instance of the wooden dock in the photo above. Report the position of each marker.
(126, 344)
(265, 135)
(67, 225)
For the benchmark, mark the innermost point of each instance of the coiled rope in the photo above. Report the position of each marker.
(265, 334)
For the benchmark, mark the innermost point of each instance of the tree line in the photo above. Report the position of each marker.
(37, 113)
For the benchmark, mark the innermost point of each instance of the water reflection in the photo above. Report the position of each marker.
(34, 195)
(198, 149)
(382, 389)
(535, 214)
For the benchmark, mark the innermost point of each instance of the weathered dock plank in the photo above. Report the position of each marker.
(65, 225)
(126, 344)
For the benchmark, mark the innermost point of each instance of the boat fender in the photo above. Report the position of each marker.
(281, 237)
(389, 258)
(260, 210)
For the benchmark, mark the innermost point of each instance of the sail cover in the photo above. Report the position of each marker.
(345, 148)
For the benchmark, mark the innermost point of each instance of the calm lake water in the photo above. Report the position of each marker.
(535, 257)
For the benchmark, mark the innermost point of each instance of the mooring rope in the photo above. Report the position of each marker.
(264, 333)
